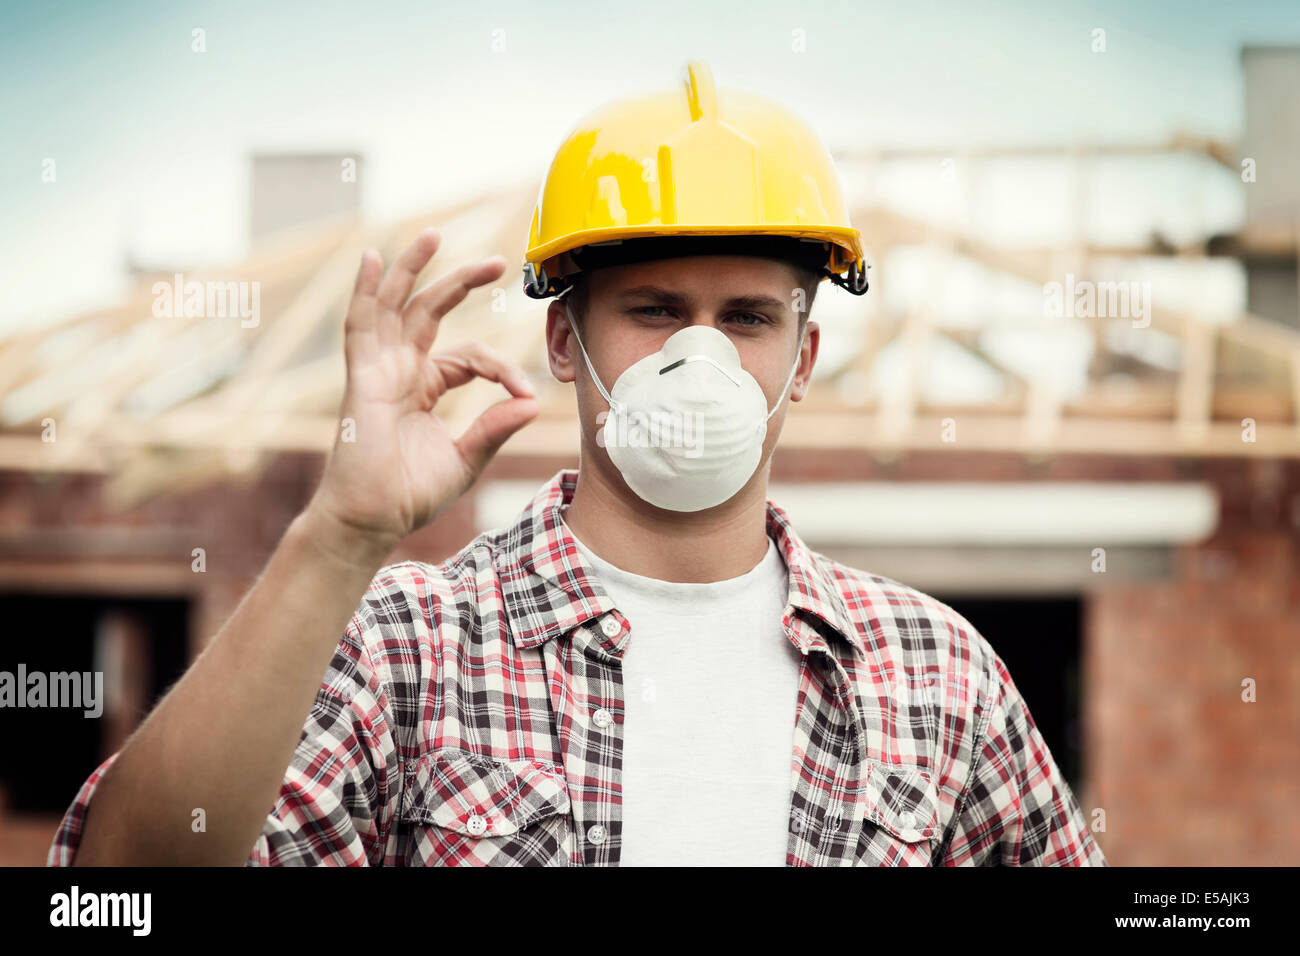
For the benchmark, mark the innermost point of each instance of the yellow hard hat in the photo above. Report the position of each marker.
(735, 172)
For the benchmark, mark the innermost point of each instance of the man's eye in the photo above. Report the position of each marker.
(649, 308)
(754, 316)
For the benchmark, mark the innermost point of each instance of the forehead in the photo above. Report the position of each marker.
(702, 278)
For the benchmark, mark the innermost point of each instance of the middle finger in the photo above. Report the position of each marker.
(420, 320)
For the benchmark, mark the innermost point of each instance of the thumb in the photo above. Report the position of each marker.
(487, 433)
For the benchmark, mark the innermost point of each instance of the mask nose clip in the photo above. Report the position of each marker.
(701, 358)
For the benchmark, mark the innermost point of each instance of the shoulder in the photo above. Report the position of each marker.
(913, 633)
(403, 592)
(408, 603)
(391, 648)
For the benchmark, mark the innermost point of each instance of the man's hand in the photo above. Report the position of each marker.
(404, 467)
(224, 735)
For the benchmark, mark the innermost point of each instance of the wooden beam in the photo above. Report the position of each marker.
(100, 576)
(25, 452)
(1043, 409)
(557, 434)
(1220, 152)
(858, 430)
(1196, 379)
(1041, 266)
(268, 262)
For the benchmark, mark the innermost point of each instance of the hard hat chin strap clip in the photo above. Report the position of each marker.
(853, 280)
(539, 286)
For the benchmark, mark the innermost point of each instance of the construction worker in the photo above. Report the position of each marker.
(648, 666)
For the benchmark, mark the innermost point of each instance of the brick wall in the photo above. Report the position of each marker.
(1187, 772)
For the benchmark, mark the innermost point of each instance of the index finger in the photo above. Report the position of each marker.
(399, 282)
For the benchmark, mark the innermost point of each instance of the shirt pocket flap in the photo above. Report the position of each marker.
(479, 796)
(903, 801)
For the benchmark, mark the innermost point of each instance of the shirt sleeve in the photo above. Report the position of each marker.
(340, 792)
(1017, 809)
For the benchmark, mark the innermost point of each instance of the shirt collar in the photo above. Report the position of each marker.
(549, 588)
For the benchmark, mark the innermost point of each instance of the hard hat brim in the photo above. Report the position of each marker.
(818, 248)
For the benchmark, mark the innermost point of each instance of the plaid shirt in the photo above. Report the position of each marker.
(473, 714)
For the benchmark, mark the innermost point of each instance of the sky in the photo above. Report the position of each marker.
(150, 139)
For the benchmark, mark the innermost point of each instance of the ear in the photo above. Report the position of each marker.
(807, 359)
(561, 349)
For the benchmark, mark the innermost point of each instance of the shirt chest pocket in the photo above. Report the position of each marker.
(466, 809)
(902, 819)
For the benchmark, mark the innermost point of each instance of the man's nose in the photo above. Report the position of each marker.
(705, 317)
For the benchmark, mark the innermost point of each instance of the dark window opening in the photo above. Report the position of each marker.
(1038, 639)
(140, 646)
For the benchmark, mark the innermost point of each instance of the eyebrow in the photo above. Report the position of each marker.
(660, 294)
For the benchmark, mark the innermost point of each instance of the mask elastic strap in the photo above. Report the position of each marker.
(789, 378)
(590, 368)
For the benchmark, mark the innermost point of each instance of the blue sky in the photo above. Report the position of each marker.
(151, 139)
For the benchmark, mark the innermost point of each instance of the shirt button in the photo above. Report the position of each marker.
(477, 826)
(908, 820)
(602, 718)
(596, 834)
(609, 626)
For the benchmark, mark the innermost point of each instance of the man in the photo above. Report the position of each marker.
(648, 666)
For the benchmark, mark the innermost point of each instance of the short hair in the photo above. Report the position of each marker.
(809, 281)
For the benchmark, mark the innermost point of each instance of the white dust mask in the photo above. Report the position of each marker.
(686, 424)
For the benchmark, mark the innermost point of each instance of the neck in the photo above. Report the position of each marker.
(701, 546)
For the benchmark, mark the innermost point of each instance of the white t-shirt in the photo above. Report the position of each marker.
(710, 683)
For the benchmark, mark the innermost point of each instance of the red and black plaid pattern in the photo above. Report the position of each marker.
(455, 723)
